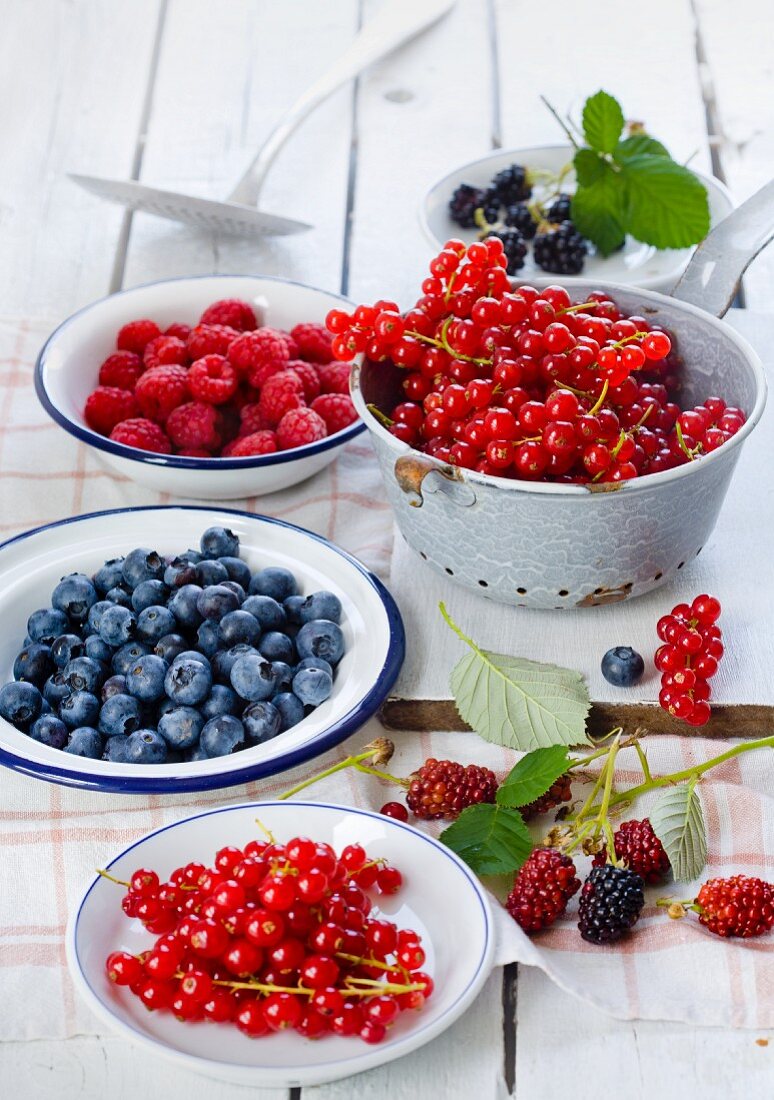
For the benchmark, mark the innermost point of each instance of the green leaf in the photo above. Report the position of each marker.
(534, 774)
(637, 145)
(667, 205)
(598, 209)
(493, 840)
(678, 822)
(589, 166)
(603, 122)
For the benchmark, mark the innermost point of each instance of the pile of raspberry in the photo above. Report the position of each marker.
(275, 936)
(226, 388)
(689, 658)
(528, 384)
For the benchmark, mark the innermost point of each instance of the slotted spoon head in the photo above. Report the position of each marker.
(227, 218)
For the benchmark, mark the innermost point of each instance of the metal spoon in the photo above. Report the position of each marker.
(396, 22)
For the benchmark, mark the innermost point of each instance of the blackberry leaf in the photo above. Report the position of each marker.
(637, 145)
(666, 204)
(492, 840)
(603, 122)
(534, 774)
(598, 208)
(678, 822)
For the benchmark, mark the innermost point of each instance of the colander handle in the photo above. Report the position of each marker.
(712, 278)
(417, 475)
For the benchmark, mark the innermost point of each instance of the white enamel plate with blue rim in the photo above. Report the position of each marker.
(441, 899)
(32, 564)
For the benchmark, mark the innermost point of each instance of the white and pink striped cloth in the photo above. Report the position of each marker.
(52, 838)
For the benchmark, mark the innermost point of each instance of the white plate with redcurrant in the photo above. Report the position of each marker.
(251, 930)
(214, 387)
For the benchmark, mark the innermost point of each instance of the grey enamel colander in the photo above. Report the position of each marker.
(545, 545)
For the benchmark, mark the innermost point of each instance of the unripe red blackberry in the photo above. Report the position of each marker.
(443, 788)
(560, 791)
(610, 904)
(542, 889)
(737, 906)
(639, 847)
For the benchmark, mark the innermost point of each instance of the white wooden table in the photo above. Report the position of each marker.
(179, 93)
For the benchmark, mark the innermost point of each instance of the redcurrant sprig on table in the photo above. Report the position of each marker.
(689, 658)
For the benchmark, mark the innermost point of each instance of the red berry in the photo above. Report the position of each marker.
(142, 434)
(281, 393)
(337, 410)
(395, 810)
(560, 791)
(210, 340)
(443, 788)
(121, 369)
(161, 390)
(257, 443)
(637, 844)
(542, 889)
(212, 379)
(108, 406)
(123, 968)
(232, 312)
(136, 335)
(334, 377)
(281, 1010)
(298, 427)
(736, 906)
(165, 351)
(314, 343)
(195, 425)
(253, 352)
(250, 1018)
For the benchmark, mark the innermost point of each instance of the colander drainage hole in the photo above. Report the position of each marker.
(423, 555)
(484, 584)
(658, 576)
(448, 570)
(681, 564)
(563, 592)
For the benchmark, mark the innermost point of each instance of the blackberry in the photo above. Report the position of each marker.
(610, 904)
(560, 251)
(518, 216)
(464, 203)
(559, 210)
(443, 788)
(637, 844)
(560, 791)
(514, 245)
(490, 205)
(542, 889)
(510, 185)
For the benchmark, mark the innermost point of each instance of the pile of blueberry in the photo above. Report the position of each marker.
(155, 661)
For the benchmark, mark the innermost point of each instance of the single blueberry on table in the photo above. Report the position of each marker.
(50, 730)
(85, 741)
(20, 703)
(275, 582)
(145, 678)
(270, 614)
(114, 685)
(34, 664)
(312, 686)
(216, 601)
(262, 721)
(292, 608)
(622, 666)
(118, 626)
(315, 662)
(80, 708)
(120, 596)
(126, 655)
(84, 674)
(96, 611)
(237, 570)
(74, 595)
(222, 735)
(210, 572)
(181, 726)
(55, 689)
(239, 628)
(145, 747)
(120, 715)
(225, 659)
(98, 650)
(66, 648)
(320, 605)
(321, 638)
(275, 646)
(188, 681)
(148, 594)
(154, 623)
(183, 606)
(221, 700)
(170, 646)
(253, 678)
(219, 542)
(179, 572)
(283, 675)
(208, 637)
(142, 564)
(290, 707)
(115, 750)
(46, 624)
(109, 575)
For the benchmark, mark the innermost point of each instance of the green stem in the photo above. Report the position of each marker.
(110, 878)
(600, 400)
(349, 762)
(562, 123)
(643, 762)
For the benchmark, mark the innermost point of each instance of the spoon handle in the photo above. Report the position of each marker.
(396, 22)
(712, 277)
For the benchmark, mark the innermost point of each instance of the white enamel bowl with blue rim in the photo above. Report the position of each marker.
(32, 564)
(637, 264)
(441, 899)
(68, 364)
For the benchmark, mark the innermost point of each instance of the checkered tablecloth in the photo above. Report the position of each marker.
(52, 838)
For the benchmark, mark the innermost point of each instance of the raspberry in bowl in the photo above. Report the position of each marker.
(216, 387)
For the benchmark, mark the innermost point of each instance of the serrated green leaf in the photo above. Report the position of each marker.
(493, 840)
(678, 822)
(598, 209)
(637, 145)
(588, 166)
(666, 204)
(519, 703)
(603, 121)
(533, 775)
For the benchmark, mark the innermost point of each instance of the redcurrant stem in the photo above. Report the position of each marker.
(266, 832)
(376, 990)
(577, 306)
(118, 881)
(644, 417)
(377, 963)
(455, 354)
(619, 444)
(600, 400)
(383, 419)
(367, 770)
(681, 441)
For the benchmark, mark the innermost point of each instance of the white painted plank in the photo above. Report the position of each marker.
(224, 79)
(72, 84)
(568, 1048)
(578, 638)
(739, 75)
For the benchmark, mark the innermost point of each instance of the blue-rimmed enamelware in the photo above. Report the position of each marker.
(68, 364)
(460, 952)
(31, 565)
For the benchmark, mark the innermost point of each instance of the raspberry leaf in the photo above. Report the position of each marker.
(603, 122)
(666, 204)
(598, 208)
(678, 822)
(518, 703)
(493, 840)
(534, 774)
(637, 145)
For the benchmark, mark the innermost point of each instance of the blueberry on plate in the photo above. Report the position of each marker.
(142, 564)
(283, 675)
(312, 686)
(225, 659)
(290, 707)
(221, 700)
(320, 605)
(20, 703)
(34, 664)
(120, 716)
(55, 689)
(270, 614)
(80, 708)
(127, 655)
(74, 595)
(145, 747)
(50, 730)
(275, 582)
(236, 588)
(98, 650)
(222, 735)
(170, 646)
(154, 623)
(275, 646)
(262, 721)
(208, 637)
(47, 623)
(119, 595)
(237, 570)
(65, 648)
(219, 542)
(145, 678)
(85, 741)
(84, 674)
(253, 678)
(115, 750)
(96, 611)
(183, 606)
(188, 681)
(315, 662)
(239, 628)
(292, 608)
(180, 571)
(180, 727)
(109, 575)
(148, 594)
(216, 600)
(210, 572)
(191, 655)
(622, 666)
(118, 625)
(321, 638)
(114, 685)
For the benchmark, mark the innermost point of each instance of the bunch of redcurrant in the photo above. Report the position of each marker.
(526, 384)
(275, 936)
(689, 658)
